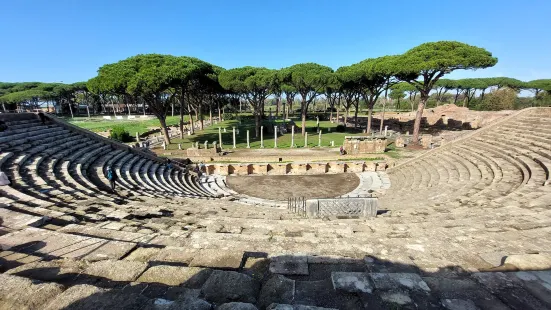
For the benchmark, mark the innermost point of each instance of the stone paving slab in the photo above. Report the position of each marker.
(217, 259)
(116, 270)
(47, 243)
(394, 281)
(352, 282)
(289, 265)
(175, 276)
(22, 293)
(56, 270)
(17, 220)
(72, 295)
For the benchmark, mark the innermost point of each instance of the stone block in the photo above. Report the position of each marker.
(116, 270)
(72, 295)
(351, 282)
(217, 259)
(173, 275)
(278, 289)
(395, 281)
(230, 286)
(237, 306)
(529, 261)
(289, 265)
(22, 293)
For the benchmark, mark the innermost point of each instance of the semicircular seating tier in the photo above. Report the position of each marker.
(504, 164)
(58, 163)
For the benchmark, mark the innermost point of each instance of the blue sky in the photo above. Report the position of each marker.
(68, 41)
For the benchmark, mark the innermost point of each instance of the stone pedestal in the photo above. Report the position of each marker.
(319, 139)
(275, 137)
(261, 137)
(233, 129)
(179, 146)
(206, 145)
(293, 136)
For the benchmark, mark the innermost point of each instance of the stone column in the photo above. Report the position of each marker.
(275, 137)
(214, 145)
(261, 137)
(248, 144)
(220, 136)
(293, 136)
(233, 130)
(386, 129)
(197, 145)
(319, 139)
(306, 140)
(137, 137)
(179, 146)
(206, 145)
(332, 143)
(164, 146)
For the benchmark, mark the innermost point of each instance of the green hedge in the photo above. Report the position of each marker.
(120, 134)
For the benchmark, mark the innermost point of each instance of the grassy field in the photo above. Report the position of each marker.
(210, 134)
(98, 124)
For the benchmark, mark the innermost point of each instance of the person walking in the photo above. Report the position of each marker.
(112, 177)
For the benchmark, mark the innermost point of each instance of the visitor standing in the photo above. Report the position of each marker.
(112, 177)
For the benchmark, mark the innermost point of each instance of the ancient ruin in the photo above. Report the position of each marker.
(464, 225)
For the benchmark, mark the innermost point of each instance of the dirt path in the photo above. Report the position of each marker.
(280, 187)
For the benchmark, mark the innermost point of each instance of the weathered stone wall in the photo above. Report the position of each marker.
(295, 168)
(356, 146)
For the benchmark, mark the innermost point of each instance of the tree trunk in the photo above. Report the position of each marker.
(303, 110)
(220, 112)
(181, 124)
(277, 107)
(200, 109)
(356, 115)
(164, 130)
(172, 109)
(71, 110)
(87, 110)
(382, 118)
(418, 117)
(347, 112)
(456, 96)
(191, 124)
(257, 118)
(210, 114)
(369, 117)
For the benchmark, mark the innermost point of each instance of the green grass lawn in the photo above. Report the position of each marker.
(210, 134)
(98, 124)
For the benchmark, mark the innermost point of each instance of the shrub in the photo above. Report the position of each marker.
(120, 134)
(340, 128)
(229, 116)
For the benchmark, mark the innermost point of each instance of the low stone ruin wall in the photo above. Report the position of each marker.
(294, 168)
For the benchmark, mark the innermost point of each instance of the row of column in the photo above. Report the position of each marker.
(262, 137)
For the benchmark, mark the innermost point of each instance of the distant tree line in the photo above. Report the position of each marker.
(166, 84)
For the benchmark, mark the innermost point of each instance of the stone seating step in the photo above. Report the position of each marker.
(18, 220)
(52, 244)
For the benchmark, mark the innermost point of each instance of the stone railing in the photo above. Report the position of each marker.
(295, 168)
(341, 207)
